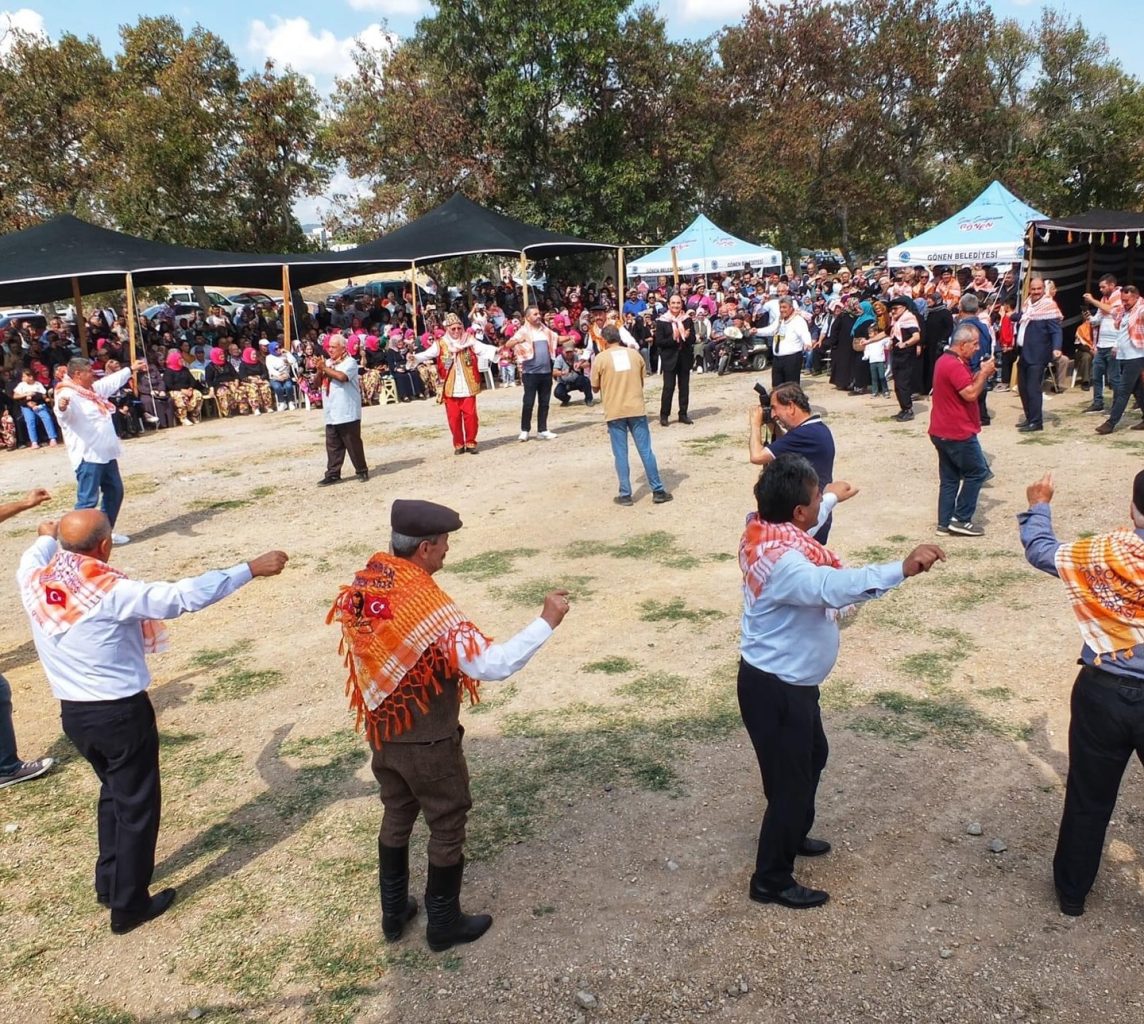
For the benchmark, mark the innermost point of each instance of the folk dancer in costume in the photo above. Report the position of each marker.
(456, 354)
(412, 657)
(1104, 579)
(92, 627)
(83, 411)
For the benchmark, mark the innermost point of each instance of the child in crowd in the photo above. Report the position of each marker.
(875, 354)
(507, 362)
(32, 396)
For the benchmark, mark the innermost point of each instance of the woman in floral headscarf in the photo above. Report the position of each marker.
(255, 382)
(308, 381)
(184, 390)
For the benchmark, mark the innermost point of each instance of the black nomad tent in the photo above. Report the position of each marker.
(1074, 253)
(65, 257)
(459, 227)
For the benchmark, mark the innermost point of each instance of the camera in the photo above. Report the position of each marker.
(764, 400)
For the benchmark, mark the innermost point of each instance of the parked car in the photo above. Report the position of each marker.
(187, 295)
(377, 290)
(182, 309)
(33, 317)
(255, 299)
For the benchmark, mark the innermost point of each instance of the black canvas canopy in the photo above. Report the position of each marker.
(46, 262)
(459, 227)
(1075, 252)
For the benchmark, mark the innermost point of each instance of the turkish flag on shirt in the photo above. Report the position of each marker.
(54, 595)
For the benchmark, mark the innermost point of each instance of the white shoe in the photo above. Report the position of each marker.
(257, 412)
(291, 406)
(185, 422)
(119, 539)
(148, 418)
(524, 435)
(547, 435)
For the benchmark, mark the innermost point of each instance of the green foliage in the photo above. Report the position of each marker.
(610, 666)
(239, 683)
(490, 565)
(674, 610)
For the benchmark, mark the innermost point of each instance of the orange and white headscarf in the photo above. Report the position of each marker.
(1103, 576)
(71, 586)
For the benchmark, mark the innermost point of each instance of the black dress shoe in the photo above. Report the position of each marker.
(1070, 907)
(1029, 428)
(797, 897)
(363, 476)
(813, 847)
(158, 904)
(327, 480)
(684, 418)
(664, 421)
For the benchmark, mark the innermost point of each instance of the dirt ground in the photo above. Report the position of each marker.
(617, 800)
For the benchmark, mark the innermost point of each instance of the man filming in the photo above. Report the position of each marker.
(795, 430)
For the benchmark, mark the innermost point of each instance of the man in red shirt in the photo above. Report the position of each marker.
(955, 422)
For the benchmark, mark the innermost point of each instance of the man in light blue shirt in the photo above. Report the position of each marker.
(341, 402)
(794, 590)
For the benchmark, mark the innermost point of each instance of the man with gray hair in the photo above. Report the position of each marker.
(955, 422)
(412, 656)
(84, 412)
(969, 313)
(792, 337)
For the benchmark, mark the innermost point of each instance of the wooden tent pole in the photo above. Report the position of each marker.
(523, 281)
(413, 292)
(621, 281)
(80, 323)
(675, 267)
(287, 305)
(132, 328)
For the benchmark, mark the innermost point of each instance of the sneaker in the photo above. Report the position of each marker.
(257, 412)
(148, 418)
(523, 436)
(965, 529)
(547, 435)
(33, 445)
(623, 499)
(943, 530)
(53, 444)
(1093, 408)
(27, 770)
(659, 497)
(119, 539)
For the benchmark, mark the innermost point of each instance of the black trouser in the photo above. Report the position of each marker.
(786, 369)
(902, 360)
(785, 726)
(538, 390)
(342, 438)
(1106, 729)
(1030, 384)
(121, 743)
(675, 364)
(581, 383)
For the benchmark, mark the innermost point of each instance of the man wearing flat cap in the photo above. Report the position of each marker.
(412, 655)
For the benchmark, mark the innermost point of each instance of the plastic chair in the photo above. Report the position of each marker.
(388, 393)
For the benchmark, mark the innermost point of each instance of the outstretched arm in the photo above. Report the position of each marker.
(30, 500)
(499, 661)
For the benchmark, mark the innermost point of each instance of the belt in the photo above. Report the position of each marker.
(1104, 678)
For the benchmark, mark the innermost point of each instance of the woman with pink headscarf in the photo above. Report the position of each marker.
(255, 382)
(222, 379)
(373, 363)
(184, 390)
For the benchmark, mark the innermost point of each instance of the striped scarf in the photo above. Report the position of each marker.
(763, 544)
(399, 640)
(70, 586)
(1104, 577)
(71, 389)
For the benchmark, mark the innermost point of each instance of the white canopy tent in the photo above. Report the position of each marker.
(991, 229)
(704, 248)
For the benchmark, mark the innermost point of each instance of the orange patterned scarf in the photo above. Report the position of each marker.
(71, 585)
(764, 543)
(1105, 581)
(399, 639)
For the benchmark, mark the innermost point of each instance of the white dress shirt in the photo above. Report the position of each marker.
(499, 661)
(89, 432)
(792, 336)
(101, 656)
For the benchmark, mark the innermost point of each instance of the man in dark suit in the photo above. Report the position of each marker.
(1039, 339)
(673, 340)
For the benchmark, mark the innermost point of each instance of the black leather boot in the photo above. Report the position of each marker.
(447, 925)
(397, 907)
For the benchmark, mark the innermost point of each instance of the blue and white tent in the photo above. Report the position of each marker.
(704, 248)
(991, 229)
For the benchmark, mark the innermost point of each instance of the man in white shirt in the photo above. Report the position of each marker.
(341, 403)
(84, 412)
(792, 335)
(92, 627)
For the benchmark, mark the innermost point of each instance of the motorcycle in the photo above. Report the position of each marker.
(736, 352)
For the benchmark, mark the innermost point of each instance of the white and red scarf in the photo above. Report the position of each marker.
(679, 325)
(67, 385)
(763, 544)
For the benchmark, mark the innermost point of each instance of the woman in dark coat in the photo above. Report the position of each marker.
(842, 354)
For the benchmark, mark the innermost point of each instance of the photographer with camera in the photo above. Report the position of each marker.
(794, 430)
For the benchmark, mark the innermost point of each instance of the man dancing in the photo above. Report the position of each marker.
(412, 656)
(92, 627)
(84, 412)
(456, 355)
